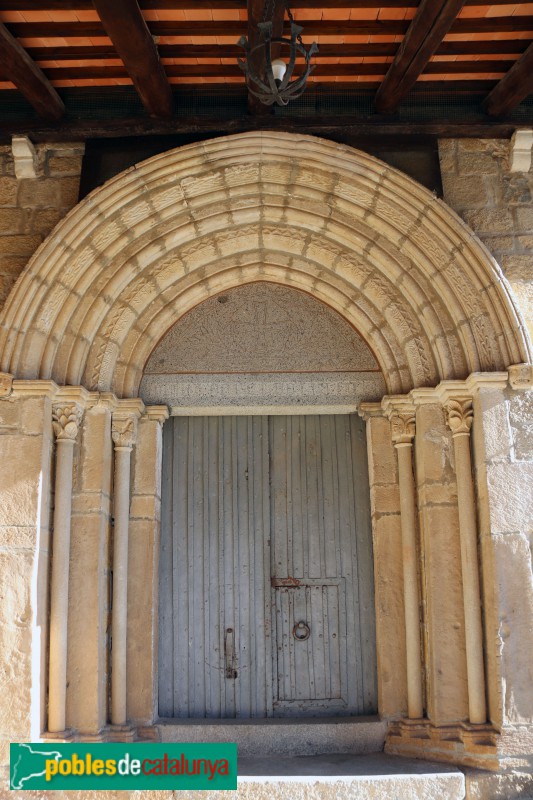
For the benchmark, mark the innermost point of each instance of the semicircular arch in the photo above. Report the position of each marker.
(151, 243)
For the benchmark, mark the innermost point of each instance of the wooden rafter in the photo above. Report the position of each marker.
(125, 26)
(429, 26)
(19, 68)
(513, 88)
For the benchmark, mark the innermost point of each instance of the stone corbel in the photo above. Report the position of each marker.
(521, 377)
(521, 148)
(24, 157)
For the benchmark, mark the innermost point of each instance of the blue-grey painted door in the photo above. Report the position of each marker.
(266, 589)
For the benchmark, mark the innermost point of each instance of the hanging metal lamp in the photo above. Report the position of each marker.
(277, 83)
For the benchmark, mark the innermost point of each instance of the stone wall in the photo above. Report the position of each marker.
(31, 207)
(496, 203)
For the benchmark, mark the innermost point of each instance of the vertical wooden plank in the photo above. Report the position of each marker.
(215, 658)
(242, 570)
(351, 677)
(331, 635)
(269, 605)
(297, 498)
(229, 523)
(314, 514)
(180, 567)
(365, 569)
(166, 634)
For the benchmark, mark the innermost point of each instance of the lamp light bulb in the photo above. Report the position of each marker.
(279, 68)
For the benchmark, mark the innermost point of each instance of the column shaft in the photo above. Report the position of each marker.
(415, 708)
(470, 575)
(57, 685)
(119, 619)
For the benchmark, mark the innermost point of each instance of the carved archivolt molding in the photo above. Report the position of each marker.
(307, 213)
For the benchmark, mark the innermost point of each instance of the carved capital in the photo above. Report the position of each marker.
(402, 427)
(124, 430)
(66, 419)
(459, 415)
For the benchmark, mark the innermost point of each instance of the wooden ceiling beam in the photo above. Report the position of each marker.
(326, 27)
(513, 88)
(329, 125)
(125, 26)
(18, 67)
(429, 26)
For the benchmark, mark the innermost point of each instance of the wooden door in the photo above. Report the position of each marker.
(266, 591)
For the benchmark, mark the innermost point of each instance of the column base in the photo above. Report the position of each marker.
(458, 743)
(59, 736)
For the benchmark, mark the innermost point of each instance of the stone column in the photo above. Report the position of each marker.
(66, 418)
(459, 416)
(143, 568)
(403, 432)
(124, 431)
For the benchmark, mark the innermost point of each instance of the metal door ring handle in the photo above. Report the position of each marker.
(301, 631)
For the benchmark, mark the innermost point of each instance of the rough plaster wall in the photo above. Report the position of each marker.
(496, 203)
(31, 207)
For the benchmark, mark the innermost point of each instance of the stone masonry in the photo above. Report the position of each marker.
(31, 207)
(496, 203)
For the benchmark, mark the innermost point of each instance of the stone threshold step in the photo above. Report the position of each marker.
(333, 776)
(282, 737)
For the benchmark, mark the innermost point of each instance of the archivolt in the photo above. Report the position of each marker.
(129, 260)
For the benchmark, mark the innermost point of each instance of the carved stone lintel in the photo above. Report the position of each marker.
(124, 430)
(459, 415)
(521, 376)
(66, 419)
(403, 427)
(6, 384)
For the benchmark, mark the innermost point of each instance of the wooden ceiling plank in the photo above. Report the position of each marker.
(352, 50)
(483, 25)
(513, 88)
(125, 26)
(101, 71)
(428, 28)
(29, 79)
(85, 5)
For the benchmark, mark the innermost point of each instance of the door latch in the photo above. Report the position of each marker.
(229, 653)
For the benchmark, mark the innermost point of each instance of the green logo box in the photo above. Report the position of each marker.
(123, 766)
